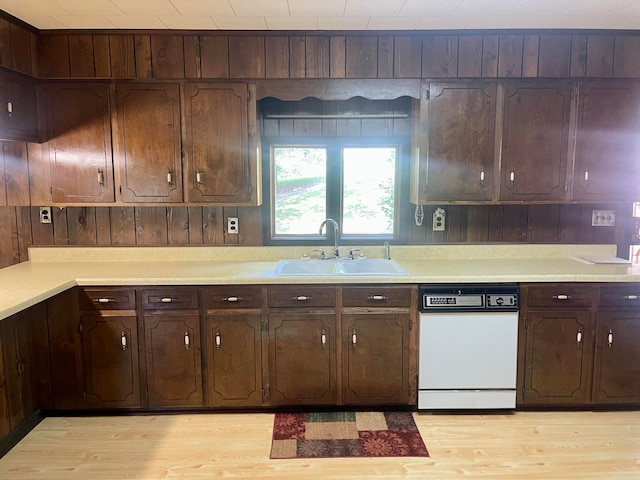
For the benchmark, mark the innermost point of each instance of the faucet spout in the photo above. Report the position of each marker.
(336, 234)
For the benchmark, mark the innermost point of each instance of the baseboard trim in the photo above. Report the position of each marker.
(21, 431)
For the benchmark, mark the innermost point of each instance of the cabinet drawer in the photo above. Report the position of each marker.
(301, 296)
(376, 296)
(620, 296)
(169, 298)
(560, 296)
(232, 296)
(107, 299)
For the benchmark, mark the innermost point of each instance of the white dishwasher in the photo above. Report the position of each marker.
(468, 346)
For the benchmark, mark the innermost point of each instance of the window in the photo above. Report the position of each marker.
(356, 182)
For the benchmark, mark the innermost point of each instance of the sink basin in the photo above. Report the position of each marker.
(333, 267)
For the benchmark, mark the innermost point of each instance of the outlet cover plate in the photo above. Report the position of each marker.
(232, 225)
(603, 218)
(45, 214)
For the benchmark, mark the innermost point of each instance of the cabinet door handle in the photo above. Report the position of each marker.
(232, 299)
(198, 176)
(512, 176)
(579, 337)
(562, 297)
(354, 338)
(187, 341)
(101, 177)
(218, 340)
(166, 300)
(104, 300)
(610, 339)
(377, 298)
(123, 341)
(586, 176)
(301, 298)
(170, 177)
(323, 339)
(10, 107)
(630, 297)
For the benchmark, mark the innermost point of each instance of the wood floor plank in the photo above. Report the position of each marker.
(521, 445)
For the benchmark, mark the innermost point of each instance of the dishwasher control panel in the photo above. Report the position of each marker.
(469, 297)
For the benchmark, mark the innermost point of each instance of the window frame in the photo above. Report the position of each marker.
(334, 146)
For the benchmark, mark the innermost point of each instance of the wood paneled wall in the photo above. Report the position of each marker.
(299, 55)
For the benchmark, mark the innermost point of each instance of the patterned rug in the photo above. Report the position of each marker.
(346, 434)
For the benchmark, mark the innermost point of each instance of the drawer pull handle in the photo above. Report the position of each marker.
(579, 337)
(166, 300)
(562, 297)
(586, 176)
(10, 107)
(354, 338)
(323, 339)
(187, 341)
(631, 297)
(104, 300)
(100, 177)
(232, 299)
(123, 341)
(378, 298)
(610, 339)
(301, 298)
(218, 340)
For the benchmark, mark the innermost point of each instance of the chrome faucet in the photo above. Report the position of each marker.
(336, 234)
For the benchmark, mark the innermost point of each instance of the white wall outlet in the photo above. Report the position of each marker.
(45, 214)
(603, 218)
(438, 220)
(232, 225)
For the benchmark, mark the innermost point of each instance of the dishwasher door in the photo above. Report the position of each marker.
(467, 359)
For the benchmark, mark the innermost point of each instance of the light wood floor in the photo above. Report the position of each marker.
(549, 445)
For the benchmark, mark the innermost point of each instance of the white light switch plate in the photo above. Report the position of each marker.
(603, 218)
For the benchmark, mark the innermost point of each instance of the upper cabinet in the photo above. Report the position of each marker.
(79, 142)
(219, 166)
(606, 164)
(18, 108)
(535, 140)
(459, 121)
(147, 148)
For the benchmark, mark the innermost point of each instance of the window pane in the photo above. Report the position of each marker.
(368, 190)
(299, 190)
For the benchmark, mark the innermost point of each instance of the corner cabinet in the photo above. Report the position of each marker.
(535, 140)
(457, 133)
(147, 144)
(607, 145)
(221, 164)
(79, 142)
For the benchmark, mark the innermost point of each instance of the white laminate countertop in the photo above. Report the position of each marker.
(52, 270)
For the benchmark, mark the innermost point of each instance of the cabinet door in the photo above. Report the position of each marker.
(557, 357)
(302, 358)
(79, 140)
(147, 142)
(5, 420)
(606, 166)
(216, 154)
(461, 141)
(234, 360)
(112, 369)
(535, 134)
(18, 108)
(375, 358)
(616, 376)
(174, 371)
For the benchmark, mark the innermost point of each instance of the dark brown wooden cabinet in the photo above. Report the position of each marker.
(233, 346)
(19, 119)
(556, 344)
(460, 124)
(79, 142)
(535, 140)
(616, 378)
(147, 145)
(607, 145)
(219, 168)
(173, 363)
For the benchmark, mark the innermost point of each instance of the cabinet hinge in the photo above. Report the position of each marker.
(120, 189)
(526, 323)
(84, 395)
(51, 190)
(265, 395)
(410, 324)
(248, 95)
(522, 390)
(80, 328)
(265, 325)
(427, 93)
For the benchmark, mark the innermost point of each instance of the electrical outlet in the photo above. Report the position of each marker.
(603, 218)
(45, 215)
(438, 220)
(232, 225)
